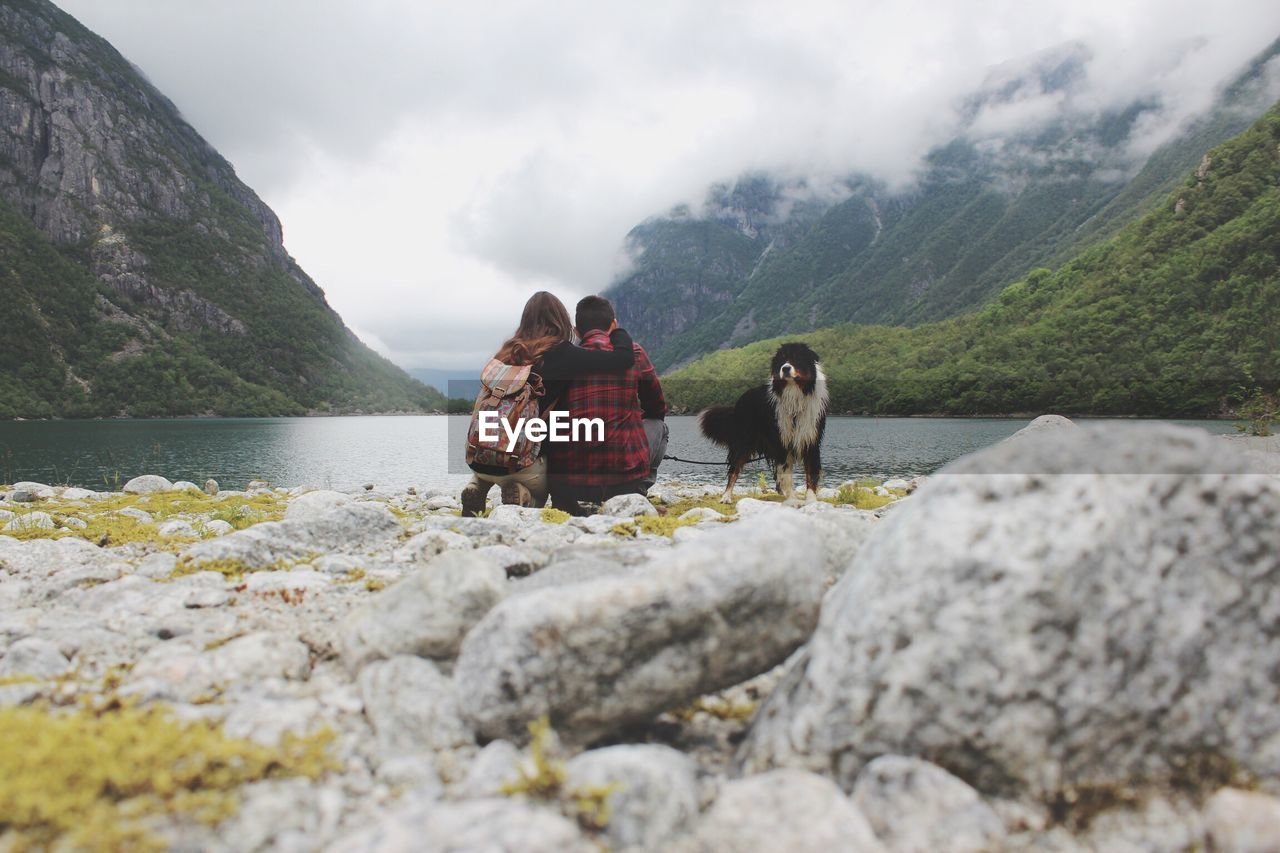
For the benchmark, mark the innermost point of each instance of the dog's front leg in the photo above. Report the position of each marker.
(782, 477)
(812, 473)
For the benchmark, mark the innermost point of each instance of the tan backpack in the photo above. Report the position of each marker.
(513, 392)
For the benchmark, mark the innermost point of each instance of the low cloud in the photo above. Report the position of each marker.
(434, 164)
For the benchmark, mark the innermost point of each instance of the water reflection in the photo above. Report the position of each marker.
(396, 452)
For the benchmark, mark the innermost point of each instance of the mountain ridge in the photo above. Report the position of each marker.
(981, 215)
(1177, 314)
(185, 299)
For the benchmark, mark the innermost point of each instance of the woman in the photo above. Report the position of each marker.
(543, 341)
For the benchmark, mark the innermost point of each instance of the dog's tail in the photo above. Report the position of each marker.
(718, 424)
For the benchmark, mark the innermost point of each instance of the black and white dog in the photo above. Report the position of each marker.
(782, 421)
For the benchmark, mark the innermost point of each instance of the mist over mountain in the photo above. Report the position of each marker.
(141, 276)
(1039, 168)
(1176, 314)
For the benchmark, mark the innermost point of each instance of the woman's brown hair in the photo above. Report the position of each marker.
(544, 323)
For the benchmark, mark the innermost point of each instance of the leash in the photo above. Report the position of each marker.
(697, 462)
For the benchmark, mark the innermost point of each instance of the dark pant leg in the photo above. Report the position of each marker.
(657, 432)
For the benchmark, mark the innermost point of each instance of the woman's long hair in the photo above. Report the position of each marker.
(544, 323)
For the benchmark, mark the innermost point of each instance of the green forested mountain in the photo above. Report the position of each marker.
(984, 212)
(138, 274)
(1177, 314)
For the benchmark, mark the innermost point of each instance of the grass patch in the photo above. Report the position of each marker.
(543, 777)
(242, 512)
(231, 568)
(106, 525)
(682, 506)
(860, 497)
(91, 779)
(105, 530)
(658, 525)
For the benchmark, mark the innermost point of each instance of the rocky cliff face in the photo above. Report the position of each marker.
(106, 169)
(692, 266)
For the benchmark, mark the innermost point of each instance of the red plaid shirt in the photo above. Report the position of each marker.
(622, 401)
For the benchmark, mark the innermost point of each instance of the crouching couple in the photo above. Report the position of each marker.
(579, 422)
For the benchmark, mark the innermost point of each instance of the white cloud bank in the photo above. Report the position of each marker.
(435, 163)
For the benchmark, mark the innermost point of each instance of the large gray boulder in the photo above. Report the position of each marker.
(427, 613)
(1042, 424)
(35, 491)
(147, 484)
(311, 505)
(628, 506)
(343, 527)
(1099, 611)
(602, 653)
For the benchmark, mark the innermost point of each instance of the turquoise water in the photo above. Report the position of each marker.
(395, 452)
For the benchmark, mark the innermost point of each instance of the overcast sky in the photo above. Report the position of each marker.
(435, 163)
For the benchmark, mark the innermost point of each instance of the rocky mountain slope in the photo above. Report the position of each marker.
(141, 276)
(987, 208)
(1178, 314)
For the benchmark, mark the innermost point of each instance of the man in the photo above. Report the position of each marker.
(633, 409)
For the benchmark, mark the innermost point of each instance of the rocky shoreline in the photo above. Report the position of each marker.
(1066, 659)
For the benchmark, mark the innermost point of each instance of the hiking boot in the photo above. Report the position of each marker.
(516, 495)
(473, 500)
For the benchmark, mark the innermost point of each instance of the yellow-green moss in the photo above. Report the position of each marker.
(107, 529)
(682, 506)
(664, 525)
(89, 779)
(106, 526)
(403, 515)
(551, 515)
(231, 568)
(660, 525)
(718, 707)
(242, 512)
(18, 678)
(860, 497)
(374, 584)
(544, 777)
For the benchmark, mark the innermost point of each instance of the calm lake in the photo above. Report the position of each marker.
(395, 452)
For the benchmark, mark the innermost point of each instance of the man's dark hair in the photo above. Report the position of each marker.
(593, 313)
